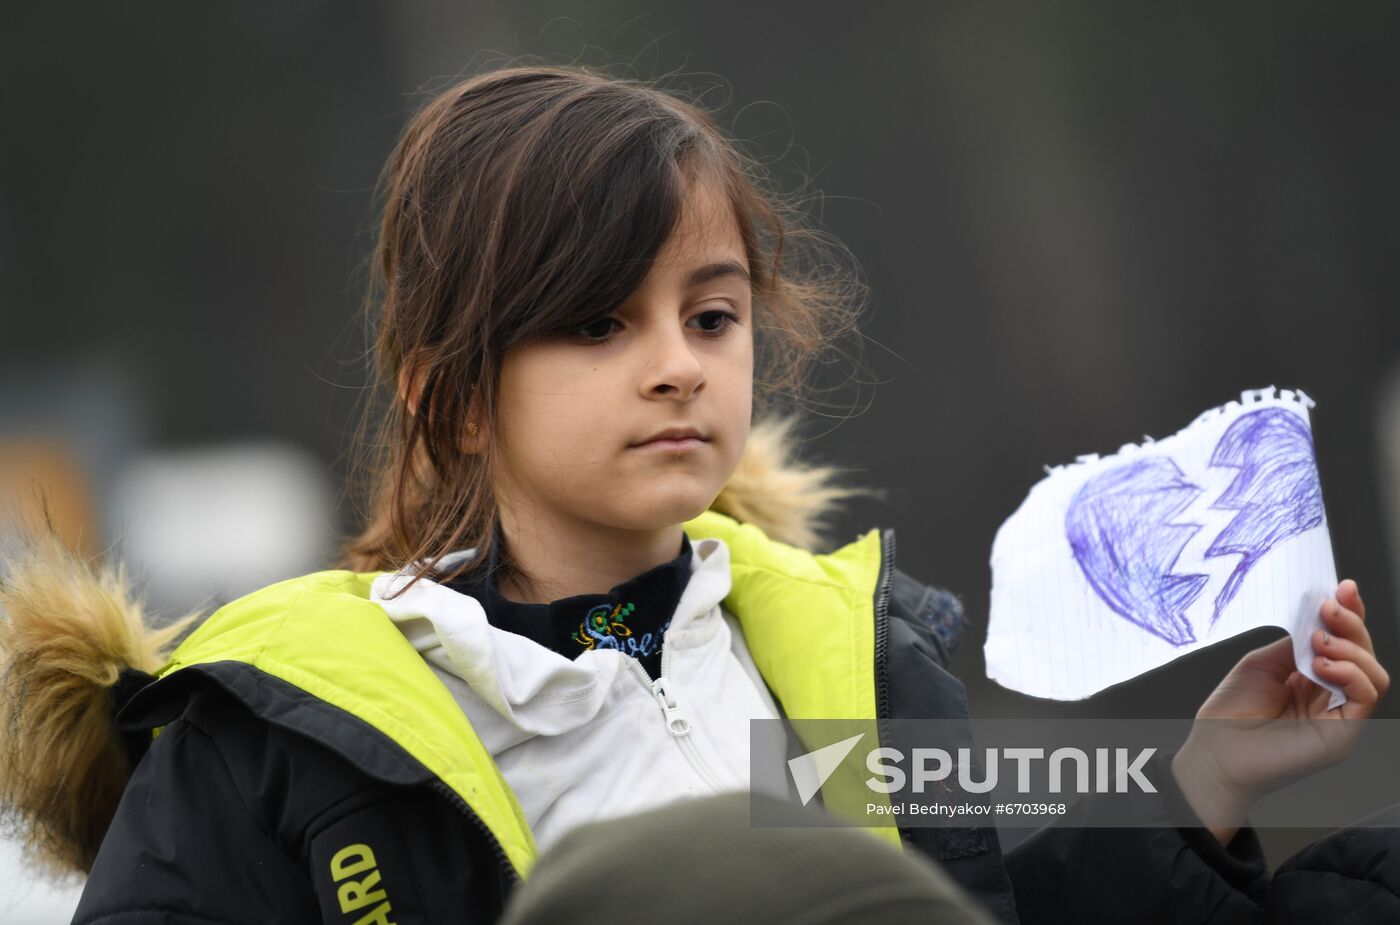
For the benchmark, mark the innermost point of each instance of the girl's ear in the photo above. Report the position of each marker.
(474, 428)
(410, 387)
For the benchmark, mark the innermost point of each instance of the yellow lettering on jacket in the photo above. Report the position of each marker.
(350, 860)
(356, 894)
(380, 916)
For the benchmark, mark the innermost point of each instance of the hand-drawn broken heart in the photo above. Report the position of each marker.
(1121, 524)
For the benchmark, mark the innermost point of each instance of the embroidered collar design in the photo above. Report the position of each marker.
(604, 628)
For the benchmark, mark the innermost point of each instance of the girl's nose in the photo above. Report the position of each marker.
(674, 369)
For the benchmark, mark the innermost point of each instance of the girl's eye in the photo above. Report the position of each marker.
(724, 320)
(599, 337)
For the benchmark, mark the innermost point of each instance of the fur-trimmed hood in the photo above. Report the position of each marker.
(790, 501)
(72, 630)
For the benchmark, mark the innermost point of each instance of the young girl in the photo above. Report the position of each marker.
(583, 573)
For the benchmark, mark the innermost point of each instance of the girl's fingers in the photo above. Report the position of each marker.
(1344, 650)
(1349, 595)
(1351, 679)
(1346, 623)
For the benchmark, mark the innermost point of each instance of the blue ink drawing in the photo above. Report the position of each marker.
(1276, 492)
(1119, 527)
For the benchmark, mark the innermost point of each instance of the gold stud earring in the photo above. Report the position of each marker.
(472, 428)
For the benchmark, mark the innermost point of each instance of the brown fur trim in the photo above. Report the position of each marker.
(789, 501)
(66, 633)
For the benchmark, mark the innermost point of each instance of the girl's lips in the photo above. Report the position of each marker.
(685, 443)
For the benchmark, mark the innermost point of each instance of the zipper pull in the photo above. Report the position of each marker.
(676, 721)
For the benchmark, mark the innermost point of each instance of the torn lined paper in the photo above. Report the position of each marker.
(1114, 566)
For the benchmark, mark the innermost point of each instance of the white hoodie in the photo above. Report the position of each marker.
(594, 737)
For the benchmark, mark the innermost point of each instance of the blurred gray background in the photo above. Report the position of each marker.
(1080, 224)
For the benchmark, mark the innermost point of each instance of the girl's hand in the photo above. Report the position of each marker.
(1277, 727)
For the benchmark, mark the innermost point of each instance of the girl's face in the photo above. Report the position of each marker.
(575, 410)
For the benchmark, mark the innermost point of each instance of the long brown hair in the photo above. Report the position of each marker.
(521, 203)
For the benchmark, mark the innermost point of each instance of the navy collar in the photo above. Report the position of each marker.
(631, 617)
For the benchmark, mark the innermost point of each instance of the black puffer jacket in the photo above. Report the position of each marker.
(260, 803)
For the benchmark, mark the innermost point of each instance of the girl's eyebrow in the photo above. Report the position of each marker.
(702, 275)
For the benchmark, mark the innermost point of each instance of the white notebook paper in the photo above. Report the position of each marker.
(1114, 566)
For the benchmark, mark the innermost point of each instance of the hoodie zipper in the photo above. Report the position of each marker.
(678, 722)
